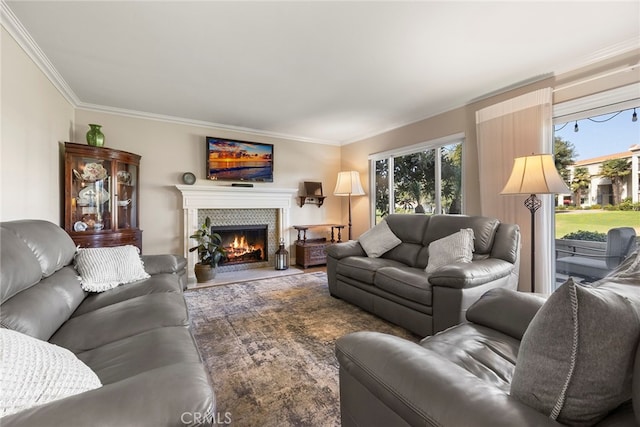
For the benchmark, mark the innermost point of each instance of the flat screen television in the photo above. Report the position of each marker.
(233, 160)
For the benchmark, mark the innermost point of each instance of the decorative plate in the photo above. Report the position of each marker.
(188, 178)
(80, 226)
(88, 196)
(124, 177)
(94, 172)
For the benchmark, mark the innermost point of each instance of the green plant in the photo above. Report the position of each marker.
(626, 205)
(210, 250)
(592, 236)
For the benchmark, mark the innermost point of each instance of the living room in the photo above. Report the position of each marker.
(40, 111)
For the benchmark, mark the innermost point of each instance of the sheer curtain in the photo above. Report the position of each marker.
(518, 127)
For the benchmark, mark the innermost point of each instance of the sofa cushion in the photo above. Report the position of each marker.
(40, 310)
(506, 310)
(20, 268)
(484, 230)
(409, 228)
(576, 358)
(406, 282)
(143, 352)
(35, 372)
(51, 245)
(455, 248)
(363, 269)
(101, 269)
(484, 352)
(378, 240)
(158, 283)
(124, 319)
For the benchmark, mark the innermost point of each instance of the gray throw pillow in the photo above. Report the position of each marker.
(576, 358)
(456, 247)
(378, 240)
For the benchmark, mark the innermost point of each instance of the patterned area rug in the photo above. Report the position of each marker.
(269, 348)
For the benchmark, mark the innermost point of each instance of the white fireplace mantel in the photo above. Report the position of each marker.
(195, 197)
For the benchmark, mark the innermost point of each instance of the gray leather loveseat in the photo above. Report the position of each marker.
(518, 356)
(135, 337)
(396, 287)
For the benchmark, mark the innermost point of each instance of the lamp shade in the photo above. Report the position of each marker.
(348, 184)
(536, 174)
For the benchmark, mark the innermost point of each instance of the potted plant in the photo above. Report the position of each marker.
(210, 252)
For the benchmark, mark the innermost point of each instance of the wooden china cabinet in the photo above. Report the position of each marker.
(101, 196)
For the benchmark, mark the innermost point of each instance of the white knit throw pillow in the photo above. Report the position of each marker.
(378, 240)
(101, 269)
(35, 372)
(457, 247)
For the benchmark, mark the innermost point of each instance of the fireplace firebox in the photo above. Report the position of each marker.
(243, 243)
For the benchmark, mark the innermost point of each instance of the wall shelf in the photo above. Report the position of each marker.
(311, 200)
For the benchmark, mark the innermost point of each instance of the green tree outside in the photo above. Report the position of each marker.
(565, 152)
(616, 170)
(580, 182)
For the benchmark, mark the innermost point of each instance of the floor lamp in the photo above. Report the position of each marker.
(535, 174)
(349, 185)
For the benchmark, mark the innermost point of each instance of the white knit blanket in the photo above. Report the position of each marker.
(34, 372)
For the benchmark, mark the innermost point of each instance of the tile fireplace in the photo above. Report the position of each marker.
(233, 206)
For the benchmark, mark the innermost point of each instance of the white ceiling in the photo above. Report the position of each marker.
(320, 71)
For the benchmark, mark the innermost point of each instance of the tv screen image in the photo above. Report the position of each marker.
(233, 160)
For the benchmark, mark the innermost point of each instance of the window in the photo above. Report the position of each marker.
(597, 152)
(423, 178)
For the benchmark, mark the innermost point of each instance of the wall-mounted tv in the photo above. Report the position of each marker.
(233, 160)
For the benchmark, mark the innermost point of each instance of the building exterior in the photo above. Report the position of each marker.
(600, 190)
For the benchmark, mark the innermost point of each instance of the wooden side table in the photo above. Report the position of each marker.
(311, 252)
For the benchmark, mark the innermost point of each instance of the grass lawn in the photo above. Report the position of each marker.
(595, 220)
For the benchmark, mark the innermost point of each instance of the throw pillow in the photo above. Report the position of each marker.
(576, 357)
(35, 372)
(101, 269)
(378, 240)
(457, 247)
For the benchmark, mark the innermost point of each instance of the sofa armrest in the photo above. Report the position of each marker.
(157, 264)
(475, 273)
(345, 249)
(173, 395)
(505, 310)
(423, 388)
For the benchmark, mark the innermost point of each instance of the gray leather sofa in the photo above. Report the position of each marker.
(135, 337)
(396, 287)
(462, 376)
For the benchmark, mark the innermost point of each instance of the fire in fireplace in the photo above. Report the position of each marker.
(243, 243)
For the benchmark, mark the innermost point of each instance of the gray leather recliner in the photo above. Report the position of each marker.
(462, 376)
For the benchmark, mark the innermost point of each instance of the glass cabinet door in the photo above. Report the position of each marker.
(126, 195)
(91, 187)
(101, 196)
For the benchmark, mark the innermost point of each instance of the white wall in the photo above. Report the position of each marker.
(170, 149)
(35, 119)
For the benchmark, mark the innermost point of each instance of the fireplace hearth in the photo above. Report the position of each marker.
(243, 243)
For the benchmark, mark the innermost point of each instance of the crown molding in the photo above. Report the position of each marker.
(625, 46)
(199, 123)
(15, 28)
